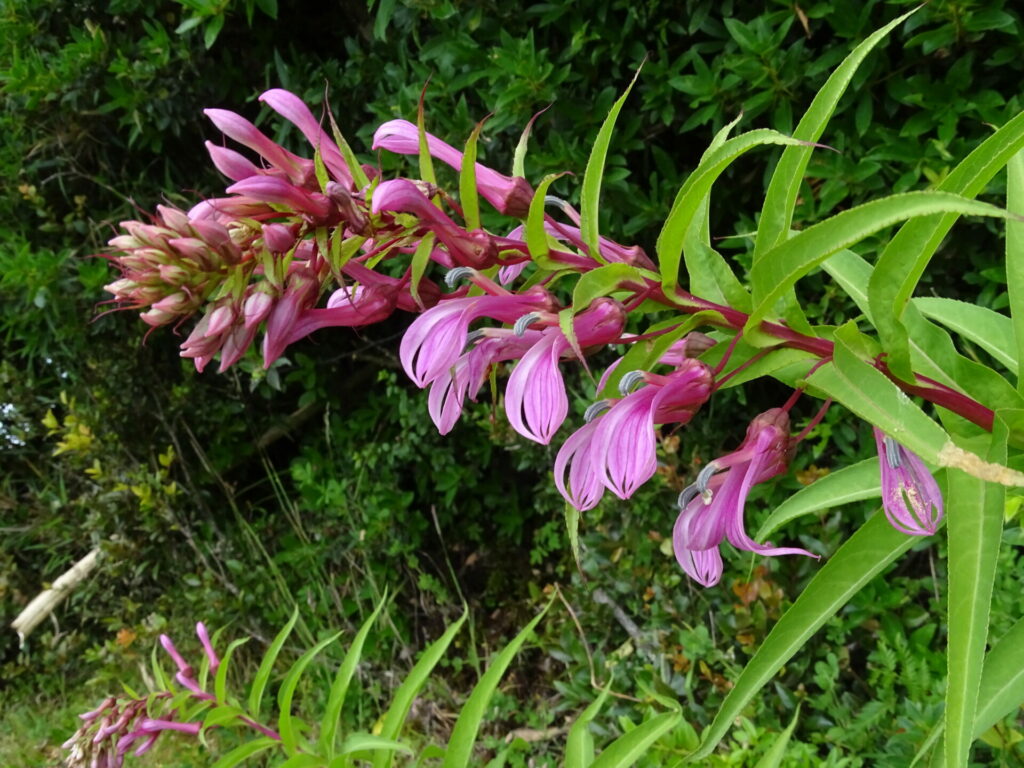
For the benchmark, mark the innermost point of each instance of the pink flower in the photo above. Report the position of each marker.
(510, 195)
(910, 495)
(712, 508)
(298, 170)
(292, 108)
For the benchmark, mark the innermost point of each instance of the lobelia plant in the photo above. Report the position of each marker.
(293, 229)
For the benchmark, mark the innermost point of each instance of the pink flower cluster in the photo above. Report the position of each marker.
(304, 243)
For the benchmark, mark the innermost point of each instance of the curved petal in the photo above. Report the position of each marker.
(624, 452)
(535, 399)
(702, 565)
(584, 489)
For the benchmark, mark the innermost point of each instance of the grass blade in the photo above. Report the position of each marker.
(285, 721)
(773, 757)
(579, 744)
(630, 747)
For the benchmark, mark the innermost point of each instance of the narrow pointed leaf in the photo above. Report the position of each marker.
(579, 744)
(259, 682)
(220, 681)
(862, 557)
(536, 235)
(355, 168)
(418, 265)
(689, 200)
(990, 330)
(605, 281)
(336, 699)
(460, 746)
(904, 260)
(426, 161)
(852, 483)
(401, 701)
(1015, 255)
(364, 742)
(590, 194)
(780, 200)
(572, 529)
(239, 754)
(631, 746)
(787, 262)
(773, 757)
(285, 720)
(974, 516)
(467, 182)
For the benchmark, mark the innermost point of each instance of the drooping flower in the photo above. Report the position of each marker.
(712, 508)
(511, 195)
(617, 450)
(910, 495)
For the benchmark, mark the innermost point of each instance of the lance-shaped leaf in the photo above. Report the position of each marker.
(604, 281)
(579, 744)
(853, 483)
(904, 260)
(773, 757)
(631, 746)
(992, 331)
(974, 516)
(285, 720)
(536, 235)
(862, 557)
(590, 194)
(259, 682)
(687, 205)
(468, 196)
(1015, 254)
(783, 265)
(460, 745)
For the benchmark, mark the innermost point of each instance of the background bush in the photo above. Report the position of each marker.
(234, 498)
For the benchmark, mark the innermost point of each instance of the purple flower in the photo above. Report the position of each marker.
(617, 450)
(510, 195)
(437, 338)
(712, 508)
(910, 495)
(298, 169)
(292, 108)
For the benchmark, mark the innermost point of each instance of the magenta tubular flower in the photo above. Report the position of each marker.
(275, 191)
(535, 399)
(712, 509)
(234, 165)
(910, 495)
(436, 339)
(299, 296)
(475, 249)
(583, 487)
(510, 195)
(347, 307)
(292, 108)
(299, 170)
(204, 638)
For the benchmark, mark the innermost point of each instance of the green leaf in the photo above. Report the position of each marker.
(259, 682)
(1015, 258)
(212, 30)
(536, 235)
(426, 161)
(590, 194)
(990, 330)
(869, 394)
(303, 760)
(780, 199)
(862, 557)
(355, 168)
(364, 742)
(572, 529)
(773, 757)
(336, 699)
(418, 265)
(320, 171)
(605, 281)
(285, 721)
(519, 158)
(467, 182)
(1001, 692)
(460, 744)
(221, 716)
(579, 744)
(974, 516)
(687, 205)
(905, 258)
(220, 681)
(631, 746)
(644, 355)
(247, 750)
(853, 483)
(403, 698)
(787, 262)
